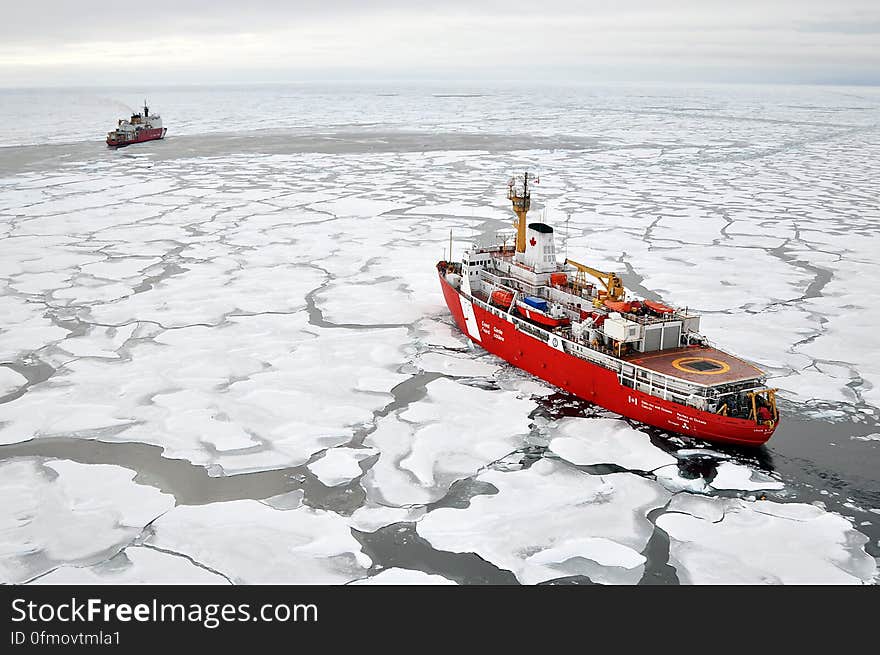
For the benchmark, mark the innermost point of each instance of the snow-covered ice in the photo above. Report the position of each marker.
(59, 512)
(585, 441)
(10, 380)
(551, 521)
(436, 441)
(458, 365)
(251, 542)
(739, 477)
(136, 565)
(340, 465)
(763, 542)
(398, 576)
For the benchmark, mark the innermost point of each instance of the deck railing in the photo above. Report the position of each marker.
(630, 375)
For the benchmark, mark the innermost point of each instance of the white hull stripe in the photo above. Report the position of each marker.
(470, 320)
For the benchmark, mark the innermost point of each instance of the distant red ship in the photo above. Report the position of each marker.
(139, 128)
(639, 358)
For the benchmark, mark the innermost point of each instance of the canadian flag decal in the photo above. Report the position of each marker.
(532, 241)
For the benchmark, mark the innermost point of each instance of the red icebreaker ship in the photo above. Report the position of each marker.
(137, 129)
(642, 359)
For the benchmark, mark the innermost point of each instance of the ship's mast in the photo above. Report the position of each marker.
(520, 196)
(146, 109)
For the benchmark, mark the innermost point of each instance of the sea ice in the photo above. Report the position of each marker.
(58, 512)
(587, 441)
(10, 380)
(742, 478)
(398, 576)
(764, 542)
(671, 478)
(551, 521)
(440, 334)
(436, 441)
(371, 517)
(467, 365)
(340, 465)
(136, 565)
(250, 542)
(258, 392)
(369, 303)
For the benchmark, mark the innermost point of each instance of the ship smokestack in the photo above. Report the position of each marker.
(540, 248)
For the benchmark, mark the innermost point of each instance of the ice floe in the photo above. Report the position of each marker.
(455, 365)
(250, 542)
(398, 576)
(371, 517)
(59, 512)
(210, 395)
(551, 521)
(436, 441)
(587, 441)
(10, 380)
(671, 478)
(440, 334)
(340, 465)
(731, 541)
(136, 565)
(743, 478)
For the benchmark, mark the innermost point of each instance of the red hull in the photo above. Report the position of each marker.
(143, 135)
(596, 384)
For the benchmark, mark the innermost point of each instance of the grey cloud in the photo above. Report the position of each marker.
(799, 40)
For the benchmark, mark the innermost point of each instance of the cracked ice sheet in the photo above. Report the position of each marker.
(252, 543)
(589, 441)
(550, 521)
(728, 277)
(465, 365)
(61, 512)
(369, 303)
(99, 342)
(135, 565)
(256, 393)
(440, 334)
(765, 338)
(764, 543)
(398, 576)
(851, 322)
(436, 441)
(393, 283)
(357, 206)
(25, 328)
(370, 517)
(208, 292)
(461, 209)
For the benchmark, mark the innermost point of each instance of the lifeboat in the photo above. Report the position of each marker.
(558, 279)
(502, 298)
(658, 307)
(532, 313)
(619, 306)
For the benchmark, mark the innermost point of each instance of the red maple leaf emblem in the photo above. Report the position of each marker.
(532, 241)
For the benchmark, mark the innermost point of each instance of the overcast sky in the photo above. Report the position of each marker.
(56, 42)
